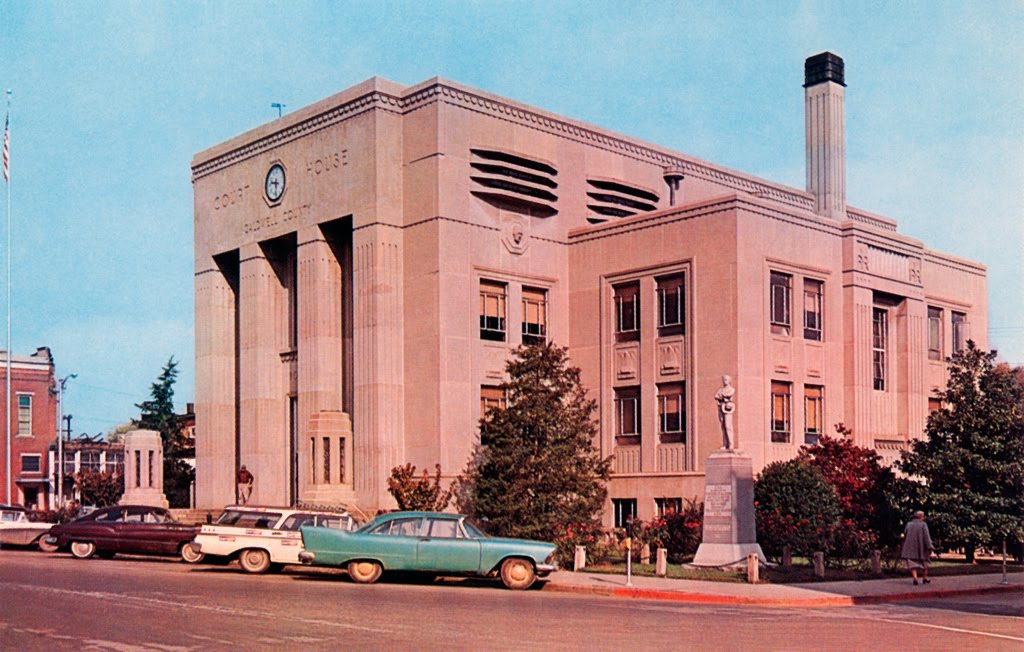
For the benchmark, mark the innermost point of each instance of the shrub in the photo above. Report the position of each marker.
(419, 494)
(587, 534)
(679, 533)
(98, 488)
(795, 506)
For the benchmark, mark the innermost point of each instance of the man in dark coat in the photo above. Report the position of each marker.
(917, 547)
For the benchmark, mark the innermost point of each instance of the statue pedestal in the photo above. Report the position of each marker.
(143, 469)
(729, 532)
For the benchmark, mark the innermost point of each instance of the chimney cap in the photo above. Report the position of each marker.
(824, 67)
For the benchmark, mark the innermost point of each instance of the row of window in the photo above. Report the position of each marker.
(880, 340)
(781, 412)
(671, 308)
(780, 288)
(671, 415)
(625, 509)
(960, 332)
(493, 312)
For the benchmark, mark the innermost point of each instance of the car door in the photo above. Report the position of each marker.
(149, 531)
(444, 547)
(103, 530)
(393, 542)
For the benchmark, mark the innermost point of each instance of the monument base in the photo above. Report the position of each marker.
(723, 555)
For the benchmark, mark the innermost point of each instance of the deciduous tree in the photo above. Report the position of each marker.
(419, 494)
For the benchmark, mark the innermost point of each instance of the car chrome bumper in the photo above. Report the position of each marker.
(546, 569)
(306, 557)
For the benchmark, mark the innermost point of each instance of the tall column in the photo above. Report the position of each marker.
(824, 89)
(263, 377)
(379, 362)
(215, 318)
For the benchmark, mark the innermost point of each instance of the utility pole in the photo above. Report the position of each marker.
(60, 437)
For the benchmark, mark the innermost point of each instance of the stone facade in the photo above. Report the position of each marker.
(360, 319)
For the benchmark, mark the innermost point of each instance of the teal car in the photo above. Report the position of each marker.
(431, 542)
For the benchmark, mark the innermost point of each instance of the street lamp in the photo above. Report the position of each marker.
(60, 438)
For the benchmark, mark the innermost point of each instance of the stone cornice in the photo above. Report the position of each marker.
(440, 90)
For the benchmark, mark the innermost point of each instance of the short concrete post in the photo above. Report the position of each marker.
(645, 553)
(819, 564)
(787, 556)
(579, 562)
(753, 567)
(661, 570)
(876, 562)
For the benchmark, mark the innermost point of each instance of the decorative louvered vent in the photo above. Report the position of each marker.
(513, 181)
(606, 198)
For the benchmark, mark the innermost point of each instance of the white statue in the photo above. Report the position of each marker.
(726, 407)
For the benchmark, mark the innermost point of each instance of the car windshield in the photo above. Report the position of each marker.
(473, 530)
(10, 516)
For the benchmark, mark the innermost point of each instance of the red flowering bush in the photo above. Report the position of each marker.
(589, 535)
(797, 507)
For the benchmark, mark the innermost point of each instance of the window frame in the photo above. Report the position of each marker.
(780, 303)
(879, 348)
(782, 401)
(534, 297)
(814, 292)
(665, 392)
(669, 324)
(39, 462)
(627, 293)
(623, 397)
(622, 508)
(25, 422)
(934, 333)
(814, 425)
(961, 330)
(493, 328)
(662, 506)
(488, 402)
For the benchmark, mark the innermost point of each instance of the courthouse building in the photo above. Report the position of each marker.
(365, 266)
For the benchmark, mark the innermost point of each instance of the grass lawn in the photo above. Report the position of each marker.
(802, 571)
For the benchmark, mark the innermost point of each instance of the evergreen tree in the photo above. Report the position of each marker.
(972, 457)
(535, 472)
(158, 414)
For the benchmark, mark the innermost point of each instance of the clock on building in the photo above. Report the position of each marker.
(274, 185)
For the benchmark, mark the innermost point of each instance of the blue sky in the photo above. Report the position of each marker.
(112, 99)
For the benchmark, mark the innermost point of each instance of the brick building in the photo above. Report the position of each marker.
(33, 421)
(365, 265)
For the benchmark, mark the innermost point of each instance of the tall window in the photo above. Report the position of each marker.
(781, 402)
(31, 463)
(627, 416)
(114, 462)
(24, 414)
(138, 468)
(879, 344)
(535, 315)
(492, 310)
(814, 413)
(671, 413)
(665, 506)
(813, 292)
(91, 461)
(327, 460)
(627, 312)
(780, 287)
(671, 305)
(934, 333)
(491, 398)
(961, 332)
(625, 510)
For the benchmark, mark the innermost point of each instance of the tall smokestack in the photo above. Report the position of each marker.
(824, 90)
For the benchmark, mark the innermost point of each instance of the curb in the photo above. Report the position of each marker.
(768, 601)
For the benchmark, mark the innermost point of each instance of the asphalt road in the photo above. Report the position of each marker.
(55, 602)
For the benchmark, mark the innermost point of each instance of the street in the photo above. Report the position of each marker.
(55, 602)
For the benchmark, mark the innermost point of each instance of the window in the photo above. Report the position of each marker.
(399, 527)
(781, 395)
(814, 413)
(672, 413)
(535, 315)
(138, 468)
(491, 398)
(24, 415)
(934, 405)
(961, 331)
(934, 333)
(492, 310)
(625, 510)
(443, 528)
(31, 464)
(90, 461)
(341, 459)
(780, 286)
(813, 292)
(879, 343)
(627, 416)
(627, 312)
(114, 463)
(150, 479)
(671, 305)
(295, 522)
(327, 460)
(665, 506)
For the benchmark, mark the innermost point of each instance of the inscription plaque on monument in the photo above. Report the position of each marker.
(718, 500)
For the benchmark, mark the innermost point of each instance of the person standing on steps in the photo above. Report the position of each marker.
(245, 482)
(917, 547)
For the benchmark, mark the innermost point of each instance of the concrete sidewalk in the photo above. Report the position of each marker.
(818, 594)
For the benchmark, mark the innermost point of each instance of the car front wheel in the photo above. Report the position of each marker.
(517, 574)
(255, 560)
(83, 549)
(45, 547)
(190, 555)
(364, 572)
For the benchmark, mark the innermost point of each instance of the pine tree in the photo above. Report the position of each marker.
(158, 411)
(972, 456)
(535, 472)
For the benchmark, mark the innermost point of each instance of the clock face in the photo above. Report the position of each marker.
(274, 186)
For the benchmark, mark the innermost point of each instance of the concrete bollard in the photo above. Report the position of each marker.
(876, 562)
(645, 553)
(787, 556)
(819, 564)
(661, 570)
(753, 567)
(579, 562)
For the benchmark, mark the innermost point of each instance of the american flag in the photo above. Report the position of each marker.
(7, 157)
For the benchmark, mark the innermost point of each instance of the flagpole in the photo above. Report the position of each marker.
(7, 174)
